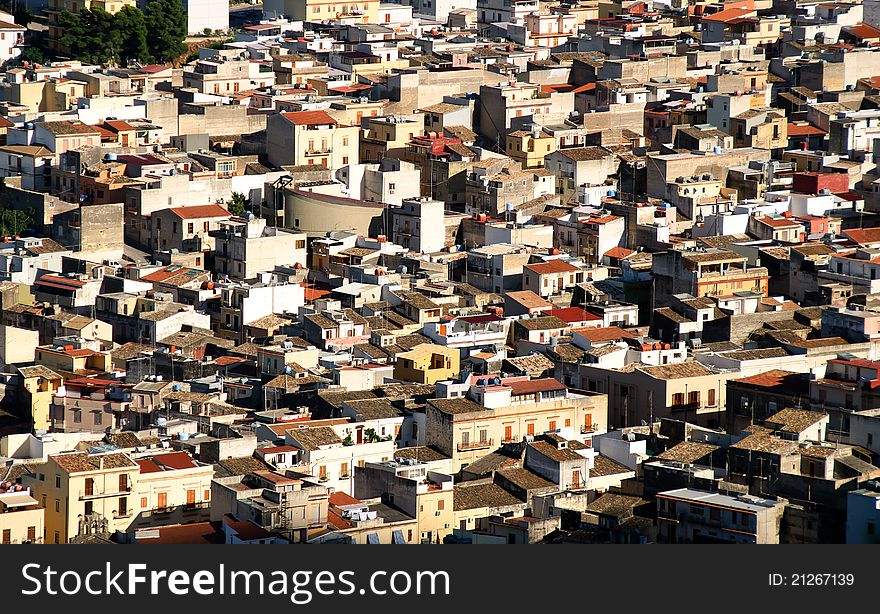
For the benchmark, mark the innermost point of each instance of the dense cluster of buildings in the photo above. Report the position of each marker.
(468, 271)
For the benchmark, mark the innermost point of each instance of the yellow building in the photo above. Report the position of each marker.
(360, 11)
(21, 517)
(467, 429)
(529, 147)
(311, 138)
(427, 364)
(387, 136)
(435, 511)
(172, 488)
(68, 360)
(38, 384)
(85, 493)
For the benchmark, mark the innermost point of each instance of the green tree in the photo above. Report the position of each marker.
(132, 26)
(15, 221)
(33, 54)
(166, 27)
(237, 203)
(91, 36)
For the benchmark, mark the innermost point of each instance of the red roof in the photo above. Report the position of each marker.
(619, 252)
(312, 293)
(309, 118)
(166, 462)
(536, 385)
(153, 68)
(770, 379)
(804, 130)
(341, 499)
(777, 223)
(224, 361)
(858, 362)
(552, 266)
(863, 30)
(608, 333)
(863, 236)
(118, 125)
(728, 14)
(586, 87)
(164, 273)
(67, 281)
(199, 211)
(573, 314)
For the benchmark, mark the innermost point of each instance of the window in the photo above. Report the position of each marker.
(123, 506)
(552, 425)
(144, 502)
(161, 501)
(678, 398)
(508, 433)
(441, 505)
(483, 436)
(322, 472)
(90, 487)
(694, 397)
(57, 481)
(7, 536)
(530, 428)
(77, 416)
(123, 483)
(88, 508)
(58, 505)
(191, 498)
(711, 396)
(301, 244)
(465, 439)
(99, 418)
(32, 534)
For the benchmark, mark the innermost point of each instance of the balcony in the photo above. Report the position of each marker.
(87, 495)
(589, 428)
(318, 151)
(694, 407)
(476, 445)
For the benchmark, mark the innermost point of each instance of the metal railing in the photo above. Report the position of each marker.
(476, 445)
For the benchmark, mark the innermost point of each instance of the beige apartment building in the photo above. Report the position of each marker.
(685, 391)
(226, 77)
(85, 493)
(21, 517)
(311, 138)
(469, 428)
(172, 488)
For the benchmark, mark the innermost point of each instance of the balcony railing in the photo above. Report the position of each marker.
(590, 428)
(91, 494)
(476, 445)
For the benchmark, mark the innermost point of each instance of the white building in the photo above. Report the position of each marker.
(11, 38)
(201, 14)
(418, 225)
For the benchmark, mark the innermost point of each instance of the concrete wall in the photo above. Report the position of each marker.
(317, 214)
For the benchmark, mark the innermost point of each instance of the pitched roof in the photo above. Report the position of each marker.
(309, 118)
(551, 266)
